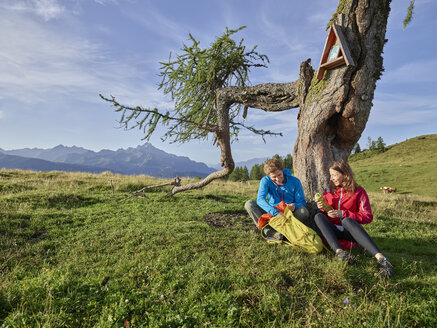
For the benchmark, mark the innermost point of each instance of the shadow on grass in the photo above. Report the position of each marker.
(420, 203)
(407, 253)
(237, 220)
(56, 201)
(15, 188)
(214, 198)
(70, 201)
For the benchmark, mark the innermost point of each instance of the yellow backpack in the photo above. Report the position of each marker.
(296, 233)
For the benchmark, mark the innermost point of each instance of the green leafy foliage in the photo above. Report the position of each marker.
(191, 79)
(257, 172)
(409, 15)
(357, 149)
(288, 161)
(239, 174)
(374, 145)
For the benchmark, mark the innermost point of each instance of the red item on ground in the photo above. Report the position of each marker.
(345, 244)
(267, 216)
(264, 219)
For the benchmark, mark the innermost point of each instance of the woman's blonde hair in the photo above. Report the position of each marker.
(349, 181)
(272, 165)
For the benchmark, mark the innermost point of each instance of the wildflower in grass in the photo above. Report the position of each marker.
(346, 301)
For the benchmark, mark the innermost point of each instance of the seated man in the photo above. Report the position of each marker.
(278, 185)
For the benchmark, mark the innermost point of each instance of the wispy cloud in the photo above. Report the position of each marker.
(419, 71)
(291, 45)
(400, 109)
(40, 62)
(318, 19)
(158, 23)
(47, 9)
(280, 34)
(105, 2)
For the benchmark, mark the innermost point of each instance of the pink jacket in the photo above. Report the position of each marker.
(355, 206)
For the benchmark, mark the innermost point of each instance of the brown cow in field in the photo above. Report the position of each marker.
(388, 189)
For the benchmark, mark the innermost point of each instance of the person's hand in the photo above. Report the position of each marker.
(334, 214)
(292, 207)
(319, 205)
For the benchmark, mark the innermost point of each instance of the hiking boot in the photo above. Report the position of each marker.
(385, 267)
(344, 256)
(271, 234)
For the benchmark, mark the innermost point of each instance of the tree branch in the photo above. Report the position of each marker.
(137, 111)
(213, 176)
(270, 97)
(261, 132)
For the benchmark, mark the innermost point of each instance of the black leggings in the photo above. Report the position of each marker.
(353, 231)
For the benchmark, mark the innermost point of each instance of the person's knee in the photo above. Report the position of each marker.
(249, 205)
(319, 218)
(348, 223)
(301, 213)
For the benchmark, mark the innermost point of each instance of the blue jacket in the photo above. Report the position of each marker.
(270, 194)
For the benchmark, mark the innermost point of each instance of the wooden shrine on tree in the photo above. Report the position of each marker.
(336, 51)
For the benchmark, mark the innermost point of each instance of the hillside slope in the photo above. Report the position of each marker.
(410, 166)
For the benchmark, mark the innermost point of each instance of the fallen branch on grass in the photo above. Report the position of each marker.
(141, 192)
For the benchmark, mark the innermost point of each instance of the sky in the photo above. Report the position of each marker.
(57, 56)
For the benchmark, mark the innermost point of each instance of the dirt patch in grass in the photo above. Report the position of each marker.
(213, 197)
(231, 220)
(38, 235)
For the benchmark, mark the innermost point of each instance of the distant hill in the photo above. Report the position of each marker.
(410, 166)
(35, 164)
(144, 159)
(249, 163)
(55, 154)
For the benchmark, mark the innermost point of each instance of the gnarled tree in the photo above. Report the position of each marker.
(333, 111)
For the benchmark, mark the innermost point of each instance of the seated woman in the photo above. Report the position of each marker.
(351, 208)
(278, 185)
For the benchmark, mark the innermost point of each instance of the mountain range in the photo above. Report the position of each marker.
(145, 159)
(249, 163)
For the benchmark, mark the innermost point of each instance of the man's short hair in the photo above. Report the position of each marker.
(272, 165)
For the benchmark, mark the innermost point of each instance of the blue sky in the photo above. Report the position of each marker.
(58, 55)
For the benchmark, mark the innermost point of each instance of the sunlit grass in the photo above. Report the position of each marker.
(75, 254)
(410, 166)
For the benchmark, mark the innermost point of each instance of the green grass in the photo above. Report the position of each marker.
(72, 254)
(410, 166)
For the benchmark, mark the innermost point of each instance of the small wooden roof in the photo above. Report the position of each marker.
(335, 52)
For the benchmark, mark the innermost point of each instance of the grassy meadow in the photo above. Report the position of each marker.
(410, 166)
(75, 254)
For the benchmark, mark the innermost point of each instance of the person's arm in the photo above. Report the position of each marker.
(364, 214)
(299, 196)
(261, 199)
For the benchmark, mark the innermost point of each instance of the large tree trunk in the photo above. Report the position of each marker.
(334, 111)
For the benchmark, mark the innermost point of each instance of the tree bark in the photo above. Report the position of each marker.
(223, 140)
(335, 110)
(269, 97)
